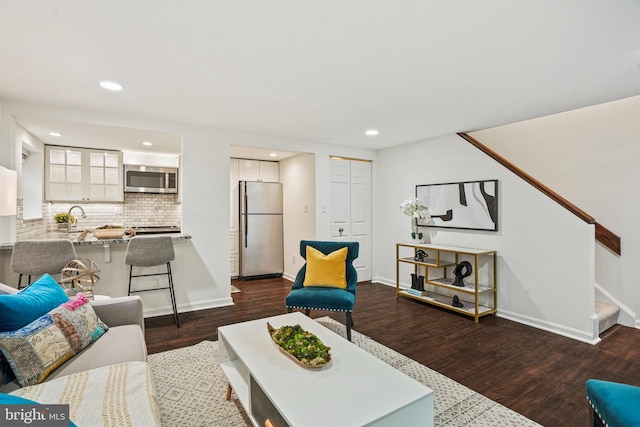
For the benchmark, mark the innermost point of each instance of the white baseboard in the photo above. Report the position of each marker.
(565, 331)
(289, 277)
(383, 281)
(182, 308)
(526, 320)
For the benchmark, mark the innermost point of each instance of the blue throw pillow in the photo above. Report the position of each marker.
(18, 310)
(8, 399)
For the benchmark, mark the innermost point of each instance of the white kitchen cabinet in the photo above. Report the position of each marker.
(248, 170)
(151, 159)
(269, 172)
(233, 213)
(233, 198)
(235, 265)
(82, 174)
(258, 170)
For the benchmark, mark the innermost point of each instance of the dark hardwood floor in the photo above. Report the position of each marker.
(538, 374)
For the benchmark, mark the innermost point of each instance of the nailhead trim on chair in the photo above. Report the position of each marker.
(348, 324)
(596, 411)
(316, 308)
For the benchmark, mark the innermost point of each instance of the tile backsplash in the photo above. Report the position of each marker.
(137, 210)
(31, 228)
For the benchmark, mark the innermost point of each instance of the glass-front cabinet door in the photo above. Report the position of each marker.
(65, 174)
(80, 174)
(105, 172)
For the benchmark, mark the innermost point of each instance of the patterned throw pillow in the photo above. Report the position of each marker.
(36, 350)
(79, 323)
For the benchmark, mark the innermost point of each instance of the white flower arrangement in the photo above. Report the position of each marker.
(414, 208)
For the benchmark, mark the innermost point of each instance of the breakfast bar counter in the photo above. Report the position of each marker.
(89, 240)
(192, 281)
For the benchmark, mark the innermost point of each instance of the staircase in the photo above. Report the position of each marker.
(607, 315)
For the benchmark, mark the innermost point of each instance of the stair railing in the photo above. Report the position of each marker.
(603, 235)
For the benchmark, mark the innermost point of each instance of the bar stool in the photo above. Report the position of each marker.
(148, 252)
(37, 257)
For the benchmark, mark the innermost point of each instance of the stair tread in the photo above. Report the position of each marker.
(604, 309)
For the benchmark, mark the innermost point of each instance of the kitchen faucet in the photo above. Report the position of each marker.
(84, 215)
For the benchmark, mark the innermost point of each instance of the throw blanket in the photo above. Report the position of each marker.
(119, 395)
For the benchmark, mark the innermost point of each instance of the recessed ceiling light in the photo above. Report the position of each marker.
(372, 132)
(105, 84)
(273, 155)
(55, 134)
(147, 143)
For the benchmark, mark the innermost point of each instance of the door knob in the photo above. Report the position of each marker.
(340, 230)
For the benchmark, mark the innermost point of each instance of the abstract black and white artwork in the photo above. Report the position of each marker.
(469, 205)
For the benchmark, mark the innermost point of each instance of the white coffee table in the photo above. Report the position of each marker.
(354, 389)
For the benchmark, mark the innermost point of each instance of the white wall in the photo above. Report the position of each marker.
(7, 159)
(297, 175)
(590, 157)
(545, 254)
(30, 188)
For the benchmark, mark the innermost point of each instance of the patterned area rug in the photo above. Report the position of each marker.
(191, 388)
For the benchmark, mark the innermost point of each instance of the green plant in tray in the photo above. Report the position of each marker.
(300, 344)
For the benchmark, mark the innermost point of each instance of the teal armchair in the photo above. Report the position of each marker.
(613, 404)
(326, 298)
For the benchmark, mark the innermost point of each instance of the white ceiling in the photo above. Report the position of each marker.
(322, 71)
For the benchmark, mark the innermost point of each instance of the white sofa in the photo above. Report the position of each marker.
(112, 372)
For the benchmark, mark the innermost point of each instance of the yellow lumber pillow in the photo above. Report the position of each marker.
(326, 270)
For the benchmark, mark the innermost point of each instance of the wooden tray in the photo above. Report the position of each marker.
(111, 233)
(273, 330)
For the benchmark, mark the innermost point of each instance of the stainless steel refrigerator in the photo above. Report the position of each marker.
(261, 247)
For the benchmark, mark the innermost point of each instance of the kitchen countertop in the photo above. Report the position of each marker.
(91, 240)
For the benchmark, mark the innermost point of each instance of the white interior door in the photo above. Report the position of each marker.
(351, 209)
(361, 215)
(340, 199)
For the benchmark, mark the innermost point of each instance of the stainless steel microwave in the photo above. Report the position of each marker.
(148, 179)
